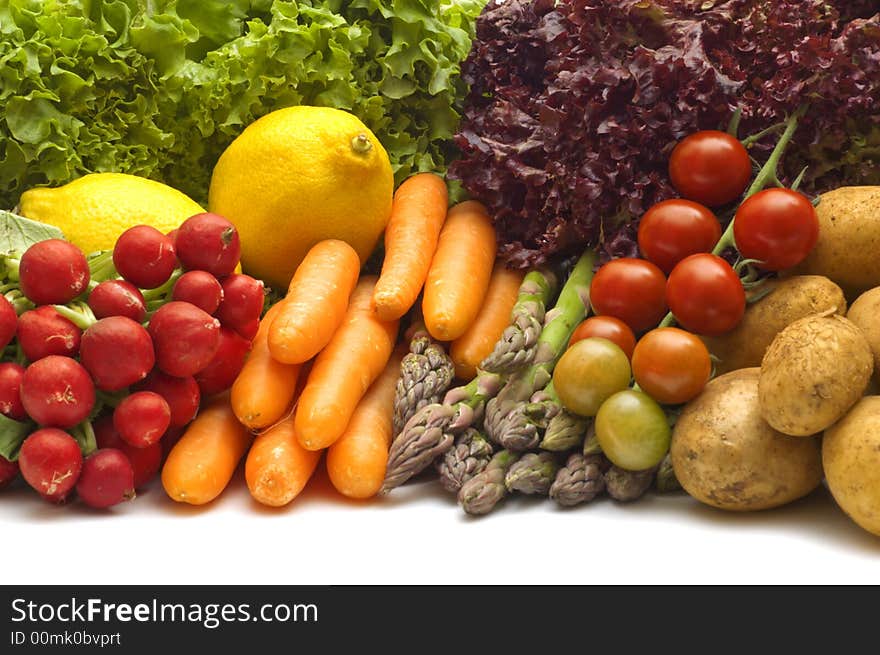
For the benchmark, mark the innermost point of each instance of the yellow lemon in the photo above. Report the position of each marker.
(94, 210)
(298, 176)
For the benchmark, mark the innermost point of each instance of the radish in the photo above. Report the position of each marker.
(8, 322)
(249, 330)
(185, 338)
(51, 463)
(53, 272)
(118, 298)
(170, 439)
(242, 302)
(107, 479)
(43, 332)
(8, 471)
(181, 394)
(144, 256)
(199, 288)
(145, 462)
(208, 242)
(117, 352)
(10, 391)
(142, 418)
(221, 372)
(57, 392)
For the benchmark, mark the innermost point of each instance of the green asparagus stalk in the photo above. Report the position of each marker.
(507, 422)
(533, 473)
(431, 430)
(666, 481)
(562, 429)
(468, 457)
(626, 486)
(580, 480)
(484, 491)
(425, 374)
(518, 343)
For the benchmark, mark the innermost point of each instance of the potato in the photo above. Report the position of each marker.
(851, 456)
(865, 312)
(725, 455)
(849, 239)
(790, 299)
(812, 373)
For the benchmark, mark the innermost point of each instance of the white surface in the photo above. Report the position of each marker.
(417, 535)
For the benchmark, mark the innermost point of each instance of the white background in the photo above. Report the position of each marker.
(418, 535)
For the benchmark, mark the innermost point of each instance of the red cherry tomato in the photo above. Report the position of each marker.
(710, 167)
(671, 365)
(705, 295)
(632, 290)
(778, 227)
(673, 229)
(606, 327)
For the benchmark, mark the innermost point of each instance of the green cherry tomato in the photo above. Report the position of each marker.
(632, 430)
(589, 372)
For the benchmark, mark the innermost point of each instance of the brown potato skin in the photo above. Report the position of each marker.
(791, 299)
(812, 373)
(865, 313)
(725, 455)
(849, 239)
(851, 457)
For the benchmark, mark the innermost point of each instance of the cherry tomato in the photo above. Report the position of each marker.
(588, 373)
(673, 229)
(671, 365)
(705, 295)
(632, 290)
(778, 227)
(710, 167)
(606, 327)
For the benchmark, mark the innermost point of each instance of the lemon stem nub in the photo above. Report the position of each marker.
(361, 144)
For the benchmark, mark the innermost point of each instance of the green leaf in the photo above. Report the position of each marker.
(17, 233)
(12, 434)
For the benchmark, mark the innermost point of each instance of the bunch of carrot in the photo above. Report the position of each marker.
(322, 372)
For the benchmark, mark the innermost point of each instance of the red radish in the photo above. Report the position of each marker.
(107, 479)
(145, 462)
(118, 298)
(117, 352)
(144, 256)
(8, 322)
(249, 330)
(8, 471)
(53, 272)
(181, 394)
(242, 303)
(208, 242)
(10, 391)
(43, 332)
(142, 418)
(170, 439)
(57, 392)
(172, 234)
(224, 368)
(199, 288)
(51, 462)
(185, 338)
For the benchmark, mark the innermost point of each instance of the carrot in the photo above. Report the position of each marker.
(417, 216)
(356, 462)
(265, 387)
(477, 343)
(344, 370)
(315, 303)
(277, 467)
(201, 464)
(460, 271)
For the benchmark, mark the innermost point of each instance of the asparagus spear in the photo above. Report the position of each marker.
(484, 491)
(533, 473)
(563, 430)
(425, 374)
(431, 430)
(580, 480)
(666, 480)
(516, 347)
(468, 457)
(507, 421)
(626, 486)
